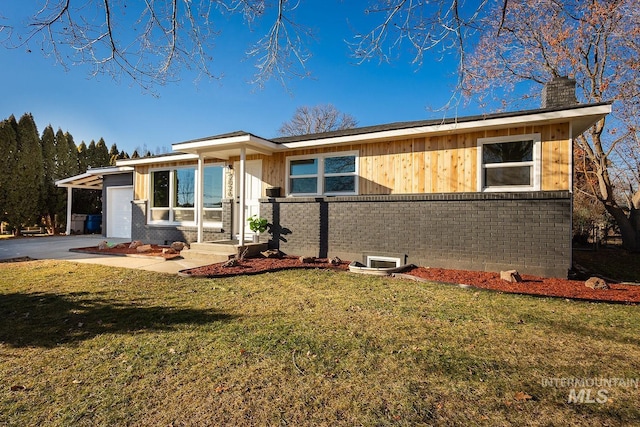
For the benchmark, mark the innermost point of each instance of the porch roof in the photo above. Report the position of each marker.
(92, 178)
(228, 145)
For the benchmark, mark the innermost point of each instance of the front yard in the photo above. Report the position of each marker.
(91, 345)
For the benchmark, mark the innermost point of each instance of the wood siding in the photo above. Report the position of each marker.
(436, 164)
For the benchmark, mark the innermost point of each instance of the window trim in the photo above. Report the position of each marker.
(320, 175)
(535, 163)
(214, 224)
(171, 221)
(370, 258)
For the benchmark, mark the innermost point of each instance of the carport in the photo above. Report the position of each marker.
(116, 197)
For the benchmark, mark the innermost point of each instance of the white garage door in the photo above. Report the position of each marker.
(119, 211)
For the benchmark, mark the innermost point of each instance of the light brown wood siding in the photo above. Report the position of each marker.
(436, 164)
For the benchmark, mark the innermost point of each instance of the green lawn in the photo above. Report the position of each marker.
(90, 345)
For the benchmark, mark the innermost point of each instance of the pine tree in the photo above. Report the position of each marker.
(135, 155)
(83, 160)
(50, 193)
(28, 176)
(8, 151)
(91, 155)
(102, 154)
(113, 154)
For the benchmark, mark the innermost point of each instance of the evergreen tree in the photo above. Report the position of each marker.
(135, 155)
(8, 151)
(50, 193)
(123, 155)
(83, 157)
(102, 157)
(27, 177)
(91, 155)
(113, 154)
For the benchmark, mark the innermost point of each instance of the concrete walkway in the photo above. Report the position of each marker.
(57, 247)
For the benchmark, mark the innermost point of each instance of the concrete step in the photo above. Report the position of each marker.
(219, 252)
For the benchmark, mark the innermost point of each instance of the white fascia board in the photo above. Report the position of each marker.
(500, 122)
(66, 182)
(210, 145)
(110, 170)
(156, 160)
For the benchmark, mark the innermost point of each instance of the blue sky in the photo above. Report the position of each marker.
(120, 112)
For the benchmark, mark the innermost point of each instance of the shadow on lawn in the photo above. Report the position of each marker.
(48, 320)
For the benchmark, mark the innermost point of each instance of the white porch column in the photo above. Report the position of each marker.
(242, 193)
(69, 205)
(200, 198)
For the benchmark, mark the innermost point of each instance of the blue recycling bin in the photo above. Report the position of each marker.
(94, 223)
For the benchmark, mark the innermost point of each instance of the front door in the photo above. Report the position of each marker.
(253, 192)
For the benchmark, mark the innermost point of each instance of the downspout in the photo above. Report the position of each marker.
(243, 207)
(69, 205)
(200, 197)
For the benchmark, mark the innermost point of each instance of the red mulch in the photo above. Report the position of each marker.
(156, 251)
(261, 265)
(531, 285)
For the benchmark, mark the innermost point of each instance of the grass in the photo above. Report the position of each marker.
(91, 345)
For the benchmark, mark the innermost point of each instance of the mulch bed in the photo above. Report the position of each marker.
(261, 265)
(156, 252)
(531, 285)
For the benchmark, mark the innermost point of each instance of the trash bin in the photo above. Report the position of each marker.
(77, 223)
(94, 223)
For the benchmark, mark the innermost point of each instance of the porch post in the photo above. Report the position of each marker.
(200, 197)
(69, 204)
(241, 211)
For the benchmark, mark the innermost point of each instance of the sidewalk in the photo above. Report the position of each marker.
(57, 247)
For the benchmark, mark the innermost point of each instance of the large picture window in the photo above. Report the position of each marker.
(330, 174)
(509, 163)
(174, 194)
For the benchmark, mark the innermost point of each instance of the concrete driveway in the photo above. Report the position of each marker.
(57, 247)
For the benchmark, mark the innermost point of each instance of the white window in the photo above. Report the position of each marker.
(509, 163)
(173, 195)
(328, 174)
(374, 261)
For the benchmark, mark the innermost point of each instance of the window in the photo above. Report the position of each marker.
(509, 163)
(383, 262)
(331, 174)
(212, 203)
(174, 195)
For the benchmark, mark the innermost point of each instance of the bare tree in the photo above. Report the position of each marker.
(596, 42)
(151, 41)
(320, 118)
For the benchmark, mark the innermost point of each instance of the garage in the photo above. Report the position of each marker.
(118, 210)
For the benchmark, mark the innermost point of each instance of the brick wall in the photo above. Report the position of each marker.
(559, 92)
(164, 234)
(530, 232)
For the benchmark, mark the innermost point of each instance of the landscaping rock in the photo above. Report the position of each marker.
(511, 276)
(103, 245)
(144, 249)
(121, 246)
(178, 246)
(169, 251)
(307, 259)
(335, 261)
(596, 283)
(231, 263)
(135, 244)
(272, 253)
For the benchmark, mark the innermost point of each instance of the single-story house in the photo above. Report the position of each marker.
(488, 192)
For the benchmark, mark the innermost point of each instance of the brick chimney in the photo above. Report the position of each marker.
(559, 92)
